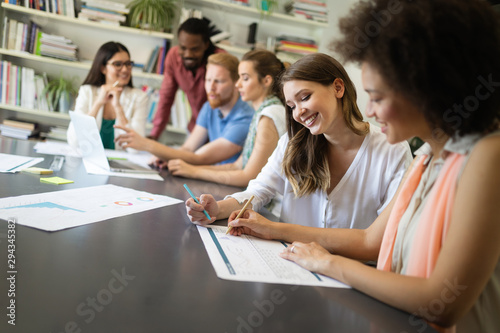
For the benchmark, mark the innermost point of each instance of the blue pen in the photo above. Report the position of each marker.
(196, 200)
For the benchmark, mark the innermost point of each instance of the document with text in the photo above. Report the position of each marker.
(247, 258)
(59, 210)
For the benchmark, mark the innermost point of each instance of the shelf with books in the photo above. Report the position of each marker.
(87, 36)
(52, 16)
(72, 64)
(249, 10)
(45, 114)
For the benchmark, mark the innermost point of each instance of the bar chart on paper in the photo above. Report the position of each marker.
(70, 208)
(247, 258)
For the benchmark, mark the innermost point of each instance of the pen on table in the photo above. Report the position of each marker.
(240, 213)
(196, 200)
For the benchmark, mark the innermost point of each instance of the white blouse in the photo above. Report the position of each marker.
(134, 103)
(363, 192)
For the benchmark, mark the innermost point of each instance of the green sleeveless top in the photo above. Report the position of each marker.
(252, 131)
(108, 133)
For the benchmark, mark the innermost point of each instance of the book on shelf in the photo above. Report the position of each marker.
(109, 5)
(153, 98)
(162, 56)
(153, 58)
(17, 85)
(55, 133)
(21, 124)
(102, 14)
(181, 110)
(295, 44)
(11, 41)
(5, 32)
(19, 129)
(309, 9)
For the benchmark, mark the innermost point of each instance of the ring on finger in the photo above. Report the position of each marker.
(293, 248)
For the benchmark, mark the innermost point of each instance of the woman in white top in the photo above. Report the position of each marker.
(258, 71)
(107, 94)
(432, 72)
(333, 169)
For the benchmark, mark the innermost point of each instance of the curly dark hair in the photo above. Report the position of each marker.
(196, 26)
(442, 55)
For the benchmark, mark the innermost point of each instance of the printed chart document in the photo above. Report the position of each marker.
(59, 210)
(247, 258)
(15, 163)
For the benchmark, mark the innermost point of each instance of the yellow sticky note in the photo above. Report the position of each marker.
(38, 171)
(55, 180)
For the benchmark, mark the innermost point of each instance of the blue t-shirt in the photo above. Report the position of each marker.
(234, 127)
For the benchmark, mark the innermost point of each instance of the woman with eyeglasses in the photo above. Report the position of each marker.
(107, 95)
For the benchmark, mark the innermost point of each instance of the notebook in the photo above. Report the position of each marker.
(92, 149)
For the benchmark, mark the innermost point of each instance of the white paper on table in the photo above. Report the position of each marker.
(56, 148)
(59, 210)
(247, 258)
(15, 163)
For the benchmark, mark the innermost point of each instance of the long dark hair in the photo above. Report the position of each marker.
(306, 156)
(95, 77)
(266, 63)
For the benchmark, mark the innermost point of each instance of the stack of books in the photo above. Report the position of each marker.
(295, 45)
(314, 10)
(57, 47)
(105, 12)
(18, 129)
(55, 133)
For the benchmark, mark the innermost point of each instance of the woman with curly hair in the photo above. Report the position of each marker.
(432, 70)
(333, 169)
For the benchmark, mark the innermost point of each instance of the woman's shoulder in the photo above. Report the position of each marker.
(488, 147)
(87, 88)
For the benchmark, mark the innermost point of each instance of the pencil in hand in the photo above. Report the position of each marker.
(196, 200)
(240, 213)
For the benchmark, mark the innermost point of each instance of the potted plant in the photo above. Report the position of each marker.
(157, 15)
(59, 94)
(267, 7)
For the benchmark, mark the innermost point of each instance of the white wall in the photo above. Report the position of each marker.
(338, 9)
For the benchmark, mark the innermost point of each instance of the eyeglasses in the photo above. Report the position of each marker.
(119, 64)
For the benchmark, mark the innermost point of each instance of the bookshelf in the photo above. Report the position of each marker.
(228, 16)
(89, 36)
(254, 12)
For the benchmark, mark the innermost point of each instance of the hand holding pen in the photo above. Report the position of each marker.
(197, 214)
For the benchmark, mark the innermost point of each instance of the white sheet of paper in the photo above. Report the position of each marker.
(14, 163)
(55, 148)
(247, 258)
(59, 210)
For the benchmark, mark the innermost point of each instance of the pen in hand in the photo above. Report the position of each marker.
(196, 200)
(240, 213)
